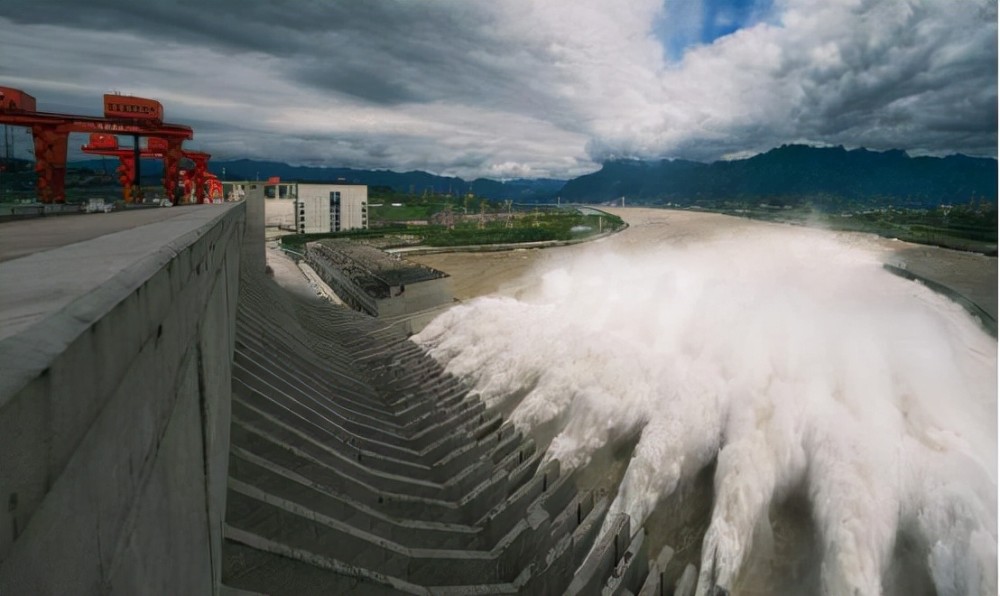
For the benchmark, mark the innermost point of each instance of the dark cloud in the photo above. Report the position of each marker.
(485, 88)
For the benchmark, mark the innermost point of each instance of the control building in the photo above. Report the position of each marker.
(379, 284)
(314, 208)
(329, 207)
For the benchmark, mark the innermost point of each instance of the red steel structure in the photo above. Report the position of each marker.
(123, 115)
(198, 180)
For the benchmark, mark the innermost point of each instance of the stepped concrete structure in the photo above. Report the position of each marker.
(380, 284)
(174, 422)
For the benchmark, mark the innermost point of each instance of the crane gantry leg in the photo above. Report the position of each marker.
(50, 162)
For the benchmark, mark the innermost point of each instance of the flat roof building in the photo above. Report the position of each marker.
(323, 208)
(382, 285)
(315, 208)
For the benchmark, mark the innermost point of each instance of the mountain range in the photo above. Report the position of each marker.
(414, 182)
(825, 176)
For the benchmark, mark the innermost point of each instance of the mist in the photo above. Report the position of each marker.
(788, 359)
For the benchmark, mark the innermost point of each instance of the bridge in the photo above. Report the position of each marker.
(172, 421)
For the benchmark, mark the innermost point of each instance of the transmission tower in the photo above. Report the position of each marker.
(449, 217)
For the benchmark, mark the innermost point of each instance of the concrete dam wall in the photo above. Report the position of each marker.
(114, 409)
(174, 422)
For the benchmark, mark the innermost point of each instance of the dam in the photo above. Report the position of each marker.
(174, 422)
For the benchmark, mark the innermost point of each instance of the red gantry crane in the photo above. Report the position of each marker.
(198, 182)
(123, 115)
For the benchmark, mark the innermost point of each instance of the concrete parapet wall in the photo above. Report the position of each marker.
(417, 297)
(115, 408)
(985, 319)
(279, 213)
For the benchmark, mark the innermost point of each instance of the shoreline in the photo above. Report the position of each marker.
(433, 250)
(973, 276)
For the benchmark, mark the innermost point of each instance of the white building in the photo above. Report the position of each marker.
(329, 207)
(308, 208)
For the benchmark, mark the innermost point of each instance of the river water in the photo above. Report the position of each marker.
(765, 399)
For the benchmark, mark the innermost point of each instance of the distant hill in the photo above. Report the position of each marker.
(417, 182)
(826, 176)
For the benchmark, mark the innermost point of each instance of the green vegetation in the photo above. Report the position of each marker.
(971, 227)
(492, 224)
(401, 219)
(389, 206)
(389, 213)
(528, 227)
(395, 234)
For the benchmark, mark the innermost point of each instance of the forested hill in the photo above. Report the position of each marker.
(828, 176)
(414, 182)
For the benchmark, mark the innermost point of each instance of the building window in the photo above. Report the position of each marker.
(335, 211)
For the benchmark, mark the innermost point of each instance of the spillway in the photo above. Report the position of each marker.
(174, 421)
(845, 415)
(358, 466)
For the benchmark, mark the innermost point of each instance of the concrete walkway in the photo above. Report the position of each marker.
(24, 237)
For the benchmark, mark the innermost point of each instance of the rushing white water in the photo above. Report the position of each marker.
(792, 358)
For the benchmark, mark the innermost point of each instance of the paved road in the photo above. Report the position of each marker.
(21, 238)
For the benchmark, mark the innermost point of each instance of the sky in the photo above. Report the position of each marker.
(521, 88)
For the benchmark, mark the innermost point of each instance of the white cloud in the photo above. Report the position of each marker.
(470, 88)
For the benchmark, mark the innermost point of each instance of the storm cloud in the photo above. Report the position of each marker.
(523, 88)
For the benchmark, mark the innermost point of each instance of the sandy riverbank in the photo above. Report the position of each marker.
(478, 274)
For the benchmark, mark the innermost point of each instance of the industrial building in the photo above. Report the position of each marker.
(313, 208)
(329, 207)
(379, 284)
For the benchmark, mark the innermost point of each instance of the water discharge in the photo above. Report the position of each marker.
(788, 358)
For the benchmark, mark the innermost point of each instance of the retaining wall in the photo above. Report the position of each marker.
(988, 323)
(116, 358)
